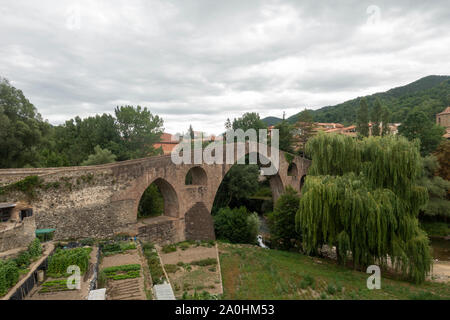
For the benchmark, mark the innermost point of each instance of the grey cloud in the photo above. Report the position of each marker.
(205, 61)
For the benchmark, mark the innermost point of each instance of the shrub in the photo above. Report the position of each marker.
(236, 225)
(9, 275)
(23, 260)
(35, 248)
(282, 219)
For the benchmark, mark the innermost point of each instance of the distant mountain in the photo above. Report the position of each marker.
(430, 94)
(271, 121)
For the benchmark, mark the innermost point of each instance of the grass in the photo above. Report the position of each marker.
(250, 272)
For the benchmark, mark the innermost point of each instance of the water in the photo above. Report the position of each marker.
(261, 243)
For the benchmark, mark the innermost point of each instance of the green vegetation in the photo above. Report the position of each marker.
(154, 265)
(418, 126)
(118, 247)
(29, 141)
(236, 225)
(438, 205)
(62, 259)
(282, 220)
(9, 275)
(240, 182)
(11, 269)
(100, 156)
(362, 196)
(204, 295)
(250, 272)
(55, 286)
(205, 262)
(436, 229)
(171, 268)
(129, 271)
(28, 186)
(151, 203)
(169, 248)
(428, 94)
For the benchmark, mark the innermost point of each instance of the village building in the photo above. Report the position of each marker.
(443, 119)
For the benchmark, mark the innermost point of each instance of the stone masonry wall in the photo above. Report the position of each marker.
(20, 236)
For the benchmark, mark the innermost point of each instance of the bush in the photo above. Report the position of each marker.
(23, 260)
(9, 275)
(282, 219)
(236, 225)
(35, 248)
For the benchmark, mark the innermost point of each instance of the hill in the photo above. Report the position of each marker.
(430, 94)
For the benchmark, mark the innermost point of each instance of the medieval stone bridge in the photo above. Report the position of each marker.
(102, 201)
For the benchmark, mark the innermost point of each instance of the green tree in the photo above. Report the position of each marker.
(101, 156)
(363, 197)
(438, 188)
(286, 136)
(385, 118)
(139, 130)
(305, 128)
(240, 182)
(236, 225)
(191, 132)
(282, 219)
(228, 124)
(443, 157)
(151, 203)
(249, 120)
(376, 118)
(22, 130)
(418, 126)
(362, 119)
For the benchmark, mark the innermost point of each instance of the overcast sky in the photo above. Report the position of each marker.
(201, 62)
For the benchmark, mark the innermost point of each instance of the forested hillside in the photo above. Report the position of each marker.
(429, 94)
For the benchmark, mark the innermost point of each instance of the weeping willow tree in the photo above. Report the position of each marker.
(361, 196)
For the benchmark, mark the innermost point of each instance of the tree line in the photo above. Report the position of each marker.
(26, 140)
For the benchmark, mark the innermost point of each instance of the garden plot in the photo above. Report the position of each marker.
(121, 272)
(55, 286)
(192, 269)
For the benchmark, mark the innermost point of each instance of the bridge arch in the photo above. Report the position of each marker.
(196, 176)
(170, 197)
(292, 170)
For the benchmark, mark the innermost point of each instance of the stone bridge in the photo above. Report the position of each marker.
(102, 201)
